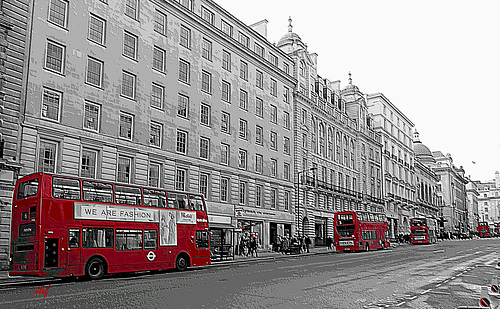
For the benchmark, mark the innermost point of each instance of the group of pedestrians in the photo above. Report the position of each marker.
(248, 245)
(286, 244)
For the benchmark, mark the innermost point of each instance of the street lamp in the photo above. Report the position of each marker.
(298, 195)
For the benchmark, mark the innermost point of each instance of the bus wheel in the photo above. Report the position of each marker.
(181, 263)
(95, 268)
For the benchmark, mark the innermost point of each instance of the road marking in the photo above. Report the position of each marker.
(438, 251)
(400, 304)
(425, 292)
(412, 298)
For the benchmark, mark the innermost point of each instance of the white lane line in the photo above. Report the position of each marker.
(425, 292)
(400, 304)
(412, 298)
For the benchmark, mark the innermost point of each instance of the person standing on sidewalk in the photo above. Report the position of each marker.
(308, 243)
(253, 246)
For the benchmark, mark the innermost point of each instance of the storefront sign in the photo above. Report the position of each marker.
(219, 219)
(241, 212)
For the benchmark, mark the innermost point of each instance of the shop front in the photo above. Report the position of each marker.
(222, 230)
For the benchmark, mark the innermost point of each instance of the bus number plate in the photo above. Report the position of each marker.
(346, 243)
(419, 237)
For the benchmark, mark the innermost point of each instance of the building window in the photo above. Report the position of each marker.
(58, 12)
(185, 37)
(286, 145)
(242, 193)
(155, 136)
(259, 50)
(205, 114)
(259, 190)
(204, 184)
(286, 68)
(226, 91)
(94, 72)
(274, 144)
(244, 40)
(182, 106)
(274, 88)
(160, 25)
(97, 29)
(126, 125)
(273, 59)
(274, 197)
(286, 120)
(259, 163)
(204, 147)
(91, 117)
(226, 60)
(226, 28)
(128, 85)
(242, 159)
(157, 96)
(51, 104)
(243, 99)
(243, 70)
(225, 123)
(206, 82)
(274, 167)
(286, 171)
(54, 59)
(304, 140)
(259, 107)
(129, 45)
(304, 116)
(207, 15)
(286, 94)
(154, 175)
(274, 114)
(88, 163)
(188, 4)
(131, 8)
(286, 201)
(243, 129)
(224, 154)
(159, 59)
(206, 49)
(259, 135)
(184, 69)
(259, 79)
(180, 179)
(47, 156)
(124, 169)
(181, 146)
(224, 189)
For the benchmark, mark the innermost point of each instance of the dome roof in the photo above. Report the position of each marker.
(422, 152)
(289, 37)
(350, 86)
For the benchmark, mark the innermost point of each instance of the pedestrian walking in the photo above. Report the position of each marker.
(308, 243)
(253, 247)
(285, 245)
(329, 242)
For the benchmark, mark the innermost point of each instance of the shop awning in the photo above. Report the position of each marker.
(221, 225)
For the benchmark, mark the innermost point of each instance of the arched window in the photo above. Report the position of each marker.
(302, 68)
(352, 154)
(322, 140)
(330, 144)
(346, 151)
(314, 148)
(338, 146)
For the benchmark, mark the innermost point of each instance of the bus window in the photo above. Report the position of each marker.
(97, 238)
(201, 239)
(97, 192)
(128, 195)
(74, 238)
(128, 240)
(65, 188)
(27, 189)
(177, 201)
(196, 202)
(150, 239)
(154, 198)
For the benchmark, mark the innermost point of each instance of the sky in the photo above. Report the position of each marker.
(437, 61)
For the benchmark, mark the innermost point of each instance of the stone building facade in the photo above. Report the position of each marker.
(472, 206)
(488, 200)
(398, 162)
(337, 153)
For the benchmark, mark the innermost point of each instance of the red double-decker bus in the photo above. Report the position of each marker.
(67, 226)
(483, 229)
(359, 230)
(496, 231)
(423, 231)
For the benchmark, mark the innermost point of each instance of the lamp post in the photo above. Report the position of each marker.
(298, 195)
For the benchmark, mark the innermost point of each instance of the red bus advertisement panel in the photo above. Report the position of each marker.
(360, 231)
(66, 226)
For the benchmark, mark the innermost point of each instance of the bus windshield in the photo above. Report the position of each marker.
(27, 189)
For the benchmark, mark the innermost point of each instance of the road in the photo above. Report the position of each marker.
(448, 274)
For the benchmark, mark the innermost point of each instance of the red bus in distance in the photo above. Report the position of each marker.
(67, 226)
(423, 231)
(360, 231)
(483, 229)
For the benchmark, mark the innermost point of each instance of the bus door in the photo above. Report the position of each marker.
(73, 247)
(53, 249)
